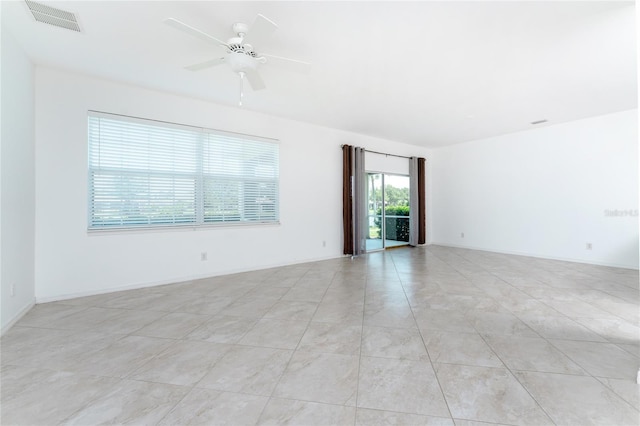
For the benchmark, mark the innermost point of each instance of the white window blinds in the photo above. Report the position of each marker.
(144, 173)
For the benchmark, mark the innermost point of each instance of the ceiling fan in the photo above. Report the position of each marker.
(239, 52)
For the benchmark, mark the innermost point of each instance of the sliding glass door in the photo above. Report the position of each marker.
(396, 210)
(388, 210)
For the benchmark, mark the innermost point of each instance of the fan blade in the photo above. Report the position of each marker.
(193, 31)
(254, 79)
(289, 64)
(206, 64)
(261, 29)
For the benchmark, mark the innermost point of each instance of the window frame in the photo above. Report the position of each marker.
(199, 175)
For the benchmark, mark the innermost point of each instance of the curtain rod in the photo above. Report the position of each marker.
(388, 155)
(383, 153)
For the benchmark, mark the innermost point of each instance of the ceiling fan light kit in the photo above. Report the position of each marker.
(239, 52)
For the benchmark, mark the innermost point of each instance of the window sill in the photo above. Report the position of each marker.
(179, 228)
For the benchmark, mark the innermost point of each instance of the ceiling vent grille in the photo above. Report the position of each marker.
(539, 121)
(52, 16)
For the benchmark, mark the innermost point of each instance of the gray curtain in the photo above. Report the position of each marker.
(414, 214)
(359, 202)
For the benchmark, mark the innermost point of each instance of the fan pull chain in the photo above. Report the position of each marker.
(241, 84)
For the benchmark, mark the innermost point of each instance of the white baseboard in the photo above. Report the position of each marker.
(538, 256)
(17, 318)
(174, 280)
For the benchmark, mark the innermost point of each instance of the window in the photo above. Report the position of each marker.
(144, 173)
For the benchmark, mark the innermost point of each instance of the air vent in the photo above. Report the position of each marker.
(539, 121)
(52, 16)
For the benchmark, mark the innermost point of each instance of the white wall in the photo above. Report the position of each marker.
(17, 179)
(543, 192)
(69, 261)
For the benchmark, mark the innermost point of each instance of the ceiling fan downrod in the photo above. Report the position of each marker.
(241, 84)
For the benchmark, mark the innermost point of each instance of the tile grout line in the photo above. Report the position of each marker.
(364, 309)
(515, 376)
(435, 374)
(506, 367)
(195, 385)
(270, 397)
(599, 379)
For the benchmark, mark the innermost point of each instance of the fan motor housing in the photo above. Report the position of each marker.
(243, 49)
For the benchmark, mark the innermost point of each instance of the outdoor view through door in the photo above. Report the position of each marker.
(387, 211)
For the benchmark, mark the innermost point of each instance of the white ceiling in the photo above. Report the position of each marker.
(424, 73)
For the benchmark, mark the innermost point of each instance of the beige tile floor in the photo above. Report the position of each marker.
(430, 335)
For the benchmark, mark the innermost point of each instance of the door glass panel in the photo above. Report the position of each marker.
(396, 217)
(374, 211)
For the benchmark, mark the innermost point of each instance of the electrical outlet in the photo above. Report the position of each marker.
(203, 256)
(589, 246)
(13, 289)
(324, 243)
(462, 235)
